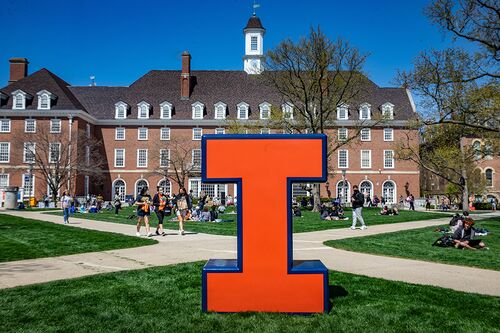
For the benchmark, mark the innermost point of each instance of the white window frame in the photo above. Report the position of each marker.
(262, 110)
(342, 134)
(118, 107)
(44, 94)
(167, 164)
(26, 121)
(287, 109)
(19, 95)
(164, 130)
(142, 130)
(192, 157)
(5, 121)
(254, 43)
(389, 109)
(51, 160)
(218, 108)
(115, 158)
(143, 107)
(346, 159)
(363, 107)
(8, 152)
(165, 110)
(220, 130)
(4, 176)
(197, 133)
(369, 159)
(120, 129)
(391, 131)
(140, 165)
(340, 109)
(32, 180)
(25, 151)
(52, 123)
(195, 108)
(367, 130)
(391, 160)
(242, 107)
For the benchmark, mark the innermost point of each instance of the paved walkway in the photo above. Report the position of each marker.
(175, 249)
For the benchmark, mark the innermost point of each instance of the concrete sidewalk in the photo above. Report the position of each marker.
(174, 249)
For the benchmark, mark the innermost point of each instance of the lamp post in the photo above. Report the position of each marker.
(30, 171)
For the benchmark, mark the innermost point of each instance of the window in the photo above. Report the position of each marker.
(141, 183)
(165, 133)
(86, 185)
(28, 185)
(342, 134)
(87, 130)
(142, 158)
(388, 159)
(54, 152)
(265, 131)
(220, 111)
(197, 109)
(120, 133)
(388, 111)
(477, 149)
(166, 110)
(43, 101)
(344, 191)
(366, 159)
(364, 111)
(265, 111)
(87, 155)
(488, 150)
(197, 133)
(30, 126)
(342, 113)
(220, 131)
(388, 134)
(196, 157)
(4, 152)
(164, 158)
(55, 126)
(165, 185)
(488, 173)
(343, 159)
(119, 187)
(287, 111)
(120, 110)
(143, 110)
(142, 133)
(366, 134)
(243, 111)
(253, 43)
(29, 152)
(389, 192)
(366, 188)
(119, 158)
(4, 180)
(4, 125)
(19, 102)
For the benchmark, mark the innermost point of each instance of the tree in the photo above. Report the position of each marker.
(313, 77)
(58, 159)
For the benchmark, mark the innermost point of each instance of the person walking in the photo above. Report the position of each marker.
(66, 204)
(411, 199)
(143, 203)
(183, 205)
(357, 200)
(160, 202)
(117, 202)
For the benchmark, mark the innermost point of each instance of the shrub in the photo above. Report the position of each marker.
(482, 205)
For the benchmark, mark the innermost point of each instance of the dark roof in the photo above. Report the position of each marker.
(43, 80)
(254, 23)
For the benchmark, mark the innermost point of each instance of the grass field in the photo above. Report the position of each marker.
(168, 299)
(309, 222)
(22, 238)
(416, 244)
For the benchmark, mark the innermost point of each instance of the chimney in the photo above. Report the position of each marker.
(18, 69)
(186, 75)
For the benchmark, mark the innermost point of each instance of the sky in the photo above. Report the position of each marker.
(119, 41)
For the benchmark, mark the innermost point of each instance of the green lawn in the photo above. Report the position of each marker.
(416, 244)
(309, 222)
(22, 238)
(168, 299)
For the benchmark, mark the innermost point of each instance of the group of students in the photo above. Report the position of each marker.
(464, 233)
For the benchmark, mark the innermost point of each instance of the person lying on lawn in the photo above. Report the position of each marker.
(464, 236)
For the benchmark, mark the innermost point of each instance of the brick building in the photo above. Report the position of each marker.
(137, 121)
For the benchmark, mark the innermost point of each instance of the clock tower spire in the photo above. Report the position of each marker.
(254, 46)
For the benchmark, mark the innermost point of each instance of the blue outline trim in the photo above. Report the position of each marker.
(236, 266)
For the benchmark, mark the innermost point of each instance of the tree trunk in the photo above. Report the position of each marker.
(465, 190)
(316, 197)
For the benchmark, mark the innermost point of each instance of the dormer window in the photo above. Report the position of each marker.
(143, 110)
(44, 100)
(220, 110)
(265, 110)
(287, 111)
(197, 110)
(19, 102)
(121, 110)
(342, 112)
(388, 111)
(166, 110)
(242, 110)
(364, 111)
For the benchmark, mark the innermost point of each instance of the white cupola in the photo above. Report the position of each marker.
(253, 60)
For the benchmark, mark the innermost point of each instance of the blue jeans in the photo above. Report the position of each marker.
(66, 215)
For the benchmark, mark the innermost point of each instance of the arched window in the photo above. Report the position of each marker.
(489, 177)
(242, 110)
(119, 186)
(389, 192)
(265, 110)
(165, 186)
(139, 185)
(344, 191)
(166, 110)
(366, 188)
(364, 111)
(477, 149)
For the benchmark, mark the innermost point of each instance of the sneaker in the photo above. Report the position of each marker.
(157, 233)
(164, 234)
(181, 232)
(353, 228)
(363, 227)
(138, 234)
(150, 234)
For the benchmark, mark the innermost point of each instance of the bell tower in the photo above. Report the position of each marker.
(253, 59)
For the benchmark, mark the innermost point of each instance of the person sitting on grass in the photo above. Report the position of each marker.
(205, 215)
(296, 211)
(463, 237)
(457, 221)
(325, 213)
(338, 213)
(389, 211)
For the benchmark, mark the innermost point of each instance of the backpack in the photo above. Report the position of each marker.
(444, 241)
